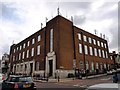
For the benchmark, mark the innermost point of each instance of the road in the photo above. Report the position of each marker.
(77, 83)
(55, 85)
(80, 84)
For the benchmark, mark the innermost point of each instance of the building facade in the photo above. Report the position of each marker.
(5, 63)
(116, 59)
(60, 47)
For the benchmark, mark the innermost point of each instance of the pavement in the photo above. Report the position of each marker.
(82, 83)
(53, 80)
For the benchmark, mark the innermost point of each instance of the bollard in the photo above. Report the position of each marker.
(47, 78)
(58, 78)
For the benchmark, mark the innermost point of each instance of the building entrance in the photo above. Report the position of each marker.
(31, 68)
(50, 67)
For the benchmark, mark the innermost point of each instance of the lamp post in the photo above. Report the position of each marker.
(74, 67)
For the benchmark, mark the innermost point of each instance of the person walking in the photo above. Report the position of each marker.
(115, 78)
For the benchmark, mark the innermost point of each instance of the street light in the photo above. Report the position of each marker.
(74, 66)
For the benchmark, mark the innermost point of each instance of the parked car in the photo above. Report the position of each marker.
(104, 86)
(2, 77)
(111, 72)
(18, 82)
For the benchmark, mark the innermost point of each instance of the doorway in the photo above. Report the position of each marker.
(14, 69)
(50, 67)
(31, 68)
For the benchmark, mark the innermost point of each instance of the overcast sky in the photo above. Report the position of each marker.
(21, 18)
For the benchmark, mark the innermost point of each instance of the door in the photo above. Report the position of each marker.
(31, 68)
(50, 67)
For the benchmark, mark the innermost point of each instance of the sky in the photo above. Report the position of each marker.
(21, 18)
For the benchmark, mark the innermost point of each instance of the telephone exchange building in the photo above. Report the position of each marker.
(60, 47)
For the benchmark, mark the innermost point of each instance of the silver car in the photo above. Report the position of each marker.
(104, 86)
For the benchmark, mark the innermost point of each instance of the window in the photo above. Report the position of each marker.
(25, 67)
(23, 55)
(80, 48)
(87, 65)
(39, 38)
(85, 38)
(94, 41)
(95, 51)
(92, 64)
(101, 44)
(51, 40)
(37, 66)
(14, 50)
(91, 52)
(17, 48)
(17, 68)
(79, 36)
(81, 65)
(105, 45)
(111, 57)
(90, 40)
(21, 69)
(16, 57)
(19, 56)
(104, 66)
(33, 41)
(13, 58)
(103, 53)
(24, 45)
(27, 53)
(32, 53)
(108, 67)
(86, 50)
(28, 43)
(99, 52)
(38, 50)
(20, 47)
(98, 42)
(106, 54)
(97, 66)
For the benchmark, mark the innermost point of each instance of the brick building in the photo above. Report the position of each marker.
(5, 63)
(60, 47)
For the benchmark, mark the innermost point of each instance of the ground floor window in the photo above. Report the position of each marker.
(37, 66)
(21, 69)
(108, 66)
(92, 66)
(104, 66)
(25, 67)
(101, 67)
(97, 66)
(81, 65)
(87, 65)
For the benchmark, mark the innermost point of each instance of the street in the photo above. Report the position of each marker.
(55, 85)
(80, 84)
(77, 83)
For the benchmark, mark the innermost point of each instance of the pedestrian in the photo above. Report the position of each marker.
(115, 78)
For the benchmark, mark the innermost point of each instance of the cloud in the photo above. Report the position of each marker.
(21, 18)
(79, 19)
(9, 13)
(114, 38)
